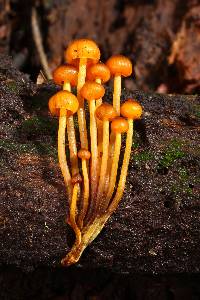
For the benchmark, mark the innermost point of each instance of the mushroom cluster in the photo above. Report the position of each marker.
(90, 173)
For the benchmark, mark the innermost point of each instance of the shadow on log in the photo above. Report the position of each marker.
(156, 227)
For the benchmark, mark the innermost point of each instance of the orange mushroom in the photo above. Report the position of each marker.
(118, 126)
(66, 76)
(131, 110)
(92, 91)
(82, 50)
(63, 104)
(119, 65)
(105, 112)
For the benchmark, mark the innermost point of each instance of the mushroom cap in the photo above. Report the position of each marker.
(82, 48)
(119, 65)
(119, 125)
(84, 154)
(63, 99)
(131, 109)
(105, 112)
(92, 90)
(65, 73)
(76, 179)
(100, 71)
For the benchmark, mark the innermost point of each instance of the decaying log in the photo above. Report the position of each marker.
(156, 227)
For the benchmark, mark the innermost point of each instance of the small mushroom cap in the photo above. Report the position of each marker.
(131, 109)
(65, 73)
(119, 125)
(119, 65)
(105, 112)
(76, 179)
(82, 48)
(92, 90)
(84, 154)
(100, 71)
(63, 99)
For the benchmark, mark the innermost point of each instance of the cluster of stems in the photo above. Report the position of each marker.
(95, 183)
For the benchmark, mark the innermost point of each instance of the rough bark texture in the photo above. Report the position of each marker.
(156, 227)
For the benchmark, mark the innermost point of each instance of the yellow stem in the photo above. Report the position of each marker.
(67, 86)
(94, 149)
(73, 213)
(61, 151)
(89, 234)
(113, 173)
(71, 137)
(86, 193)
(103, 161)
(117, 93)
(81, 111)
(124, 169)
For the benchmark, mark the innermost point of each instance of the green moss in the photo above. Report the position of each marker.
(171, 154)
(40, 125)
(143, 156)
(36, 148)
(12, 86)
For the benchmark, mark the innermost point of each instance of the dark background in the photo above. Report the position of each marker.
(162, 38)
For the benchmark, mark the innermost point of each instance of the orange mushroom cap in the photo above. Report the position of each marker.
(105, 112)
(131, 109)
(82, 48)
(119, 125)
(100, 71)
(65, 73)
(92, 90)
(63, 99)
(84, 154)
(119, 65)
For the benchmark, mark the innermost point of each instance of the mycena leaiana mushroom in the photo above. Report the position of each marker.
(95, 180)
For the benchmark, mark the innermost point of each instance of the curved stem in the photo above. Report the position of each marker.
(73, 213)
(81, 111)
(86, 193)
(61, 151)
(71, 137)
(103, 161)
(94, 149)
(113, 173)
(124, 169)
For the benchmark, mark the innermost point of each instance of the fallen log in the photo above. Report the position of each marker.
(156, 227)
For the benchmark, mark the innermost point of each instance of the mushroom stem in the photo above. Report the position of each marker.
(114, 168)
(67, 86)
(124, 169)
(104, 159)
(99, 129)
(71, 137)
(86, 193)
(81, 111)
(61, 151)
(73, 214)
(117, 93)
(94, 149)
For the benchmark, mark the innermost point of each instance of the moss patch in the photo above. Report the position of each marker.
(173, 152)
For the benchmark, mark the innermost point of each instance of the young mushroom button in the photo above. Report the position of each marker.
(92, 91)
(119, 65)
